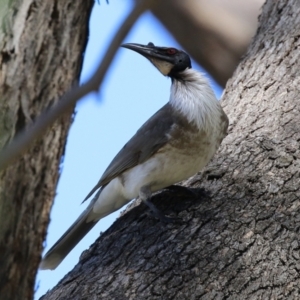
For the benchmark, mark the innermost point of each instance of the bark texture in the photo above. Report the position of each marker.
(41, 45)
(241, 242)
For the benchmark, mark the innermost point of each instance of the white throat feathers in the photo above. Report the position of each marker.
(195, 99)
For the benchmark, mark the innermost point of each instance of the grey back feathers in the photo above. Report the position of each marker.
(152, 136)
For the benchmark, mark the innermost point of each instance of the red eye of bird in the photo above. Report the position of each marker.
(171, 51)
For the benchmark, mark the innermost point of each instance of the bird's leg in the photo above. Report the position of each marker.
(145, 195)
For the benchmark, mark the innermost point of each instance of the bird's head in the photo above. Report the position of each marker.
(169, 61)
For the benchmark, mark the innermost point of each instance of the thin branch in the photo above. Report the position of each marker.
(24, 140)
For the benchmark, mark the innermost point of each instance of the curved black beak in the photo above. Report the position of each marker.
(150, 51)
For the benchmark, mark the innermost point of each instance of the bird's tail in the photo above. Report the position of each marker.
(69, 239)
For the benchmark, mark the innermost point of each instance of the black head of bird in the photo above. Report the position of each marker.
(169, 61)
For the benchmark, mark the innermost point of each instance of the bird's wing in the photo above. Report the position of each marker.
(148, 140)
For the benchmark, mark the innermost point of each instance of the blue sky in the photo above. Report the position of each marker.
(132, 91)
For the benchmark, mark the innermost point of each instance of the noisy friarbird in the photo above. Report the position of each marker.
(174, 144)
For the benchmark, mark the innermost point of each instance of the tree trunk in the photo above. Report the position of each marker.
(41, 45)
(241, 242)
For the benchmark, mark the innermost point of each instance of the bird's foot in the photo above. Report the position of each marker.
(145, 195)
(160, 215)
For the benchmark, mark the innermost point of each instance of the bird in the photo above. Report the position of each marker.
(175, 143)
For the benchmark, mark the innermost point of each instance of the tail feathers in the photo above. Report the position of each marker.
(68, 240)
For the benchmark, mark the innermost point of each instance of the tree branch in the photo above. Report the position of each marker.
(215, 33)
(24, 139)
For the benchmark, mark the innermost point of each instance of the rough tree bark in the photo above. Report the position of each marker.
(35, 38)
(242, 241)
